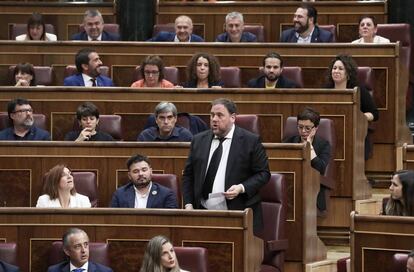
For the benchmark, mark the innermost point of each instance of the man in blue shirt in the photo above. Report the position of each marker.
(20, 113)
(166, 130)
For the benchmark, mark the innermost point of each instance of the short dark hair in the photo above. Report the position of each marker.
(87, 109)
(137, 158)
(368, 16)
(153, 60)
(227, 103)
(351, 69)
(11, 106)
(34, 20)
(82, 57)
(26, 68)
(309, 114)
(312, 12)
(273, 55)
(69, 232)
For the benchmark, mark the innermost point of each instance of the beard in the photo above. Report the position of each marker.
(28, 122)
(142, 185)
(299, 28)
(271, 77)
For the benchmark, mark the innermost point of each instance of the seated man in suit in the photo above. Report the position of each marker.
(272, 78)
(94, 29)
(308, 122)
(183, 32)
(5, 267)
(88, 65)
(304, 28)
(234, 30)
(410, 261)
(166, 130)
(141, 192)
(23, 129)
(76, 247)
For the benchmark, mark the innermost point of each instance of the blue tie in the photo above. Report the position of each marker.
(78, 270)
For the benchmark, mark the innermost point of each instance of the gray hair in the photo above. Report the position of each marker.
(235, 15)
(69, 232)
(165, 106)
(92, 13)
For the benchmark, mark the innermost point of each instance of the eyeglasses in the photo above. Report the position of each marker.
(306, 128)
(154, 73)
(23, 111)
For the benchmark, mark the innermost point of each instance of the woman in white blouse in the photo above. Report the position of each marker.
(36, 30)
(59, 190)
(368, 31)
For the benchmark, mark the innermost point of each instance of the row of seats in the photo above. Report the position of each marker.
(399, 263)
(231, 76)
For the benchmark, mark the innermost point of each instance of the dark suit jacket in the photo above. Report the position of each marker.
(165, 36)
(106, 36)
(245, 37)
(160, 197)
(5, 267)
(77, 80)
(282, 82)
(318, 36)
(247, 164)
(92, 267)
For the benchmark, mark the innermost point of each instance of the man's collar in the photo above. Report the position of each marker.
(228, 135)
(84, 266)
(307, 36)
(177, 40)
(97, 39)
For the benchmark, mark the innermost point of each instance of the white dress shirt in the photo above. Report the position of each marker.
(84, 266)
(141, 199)
(87, 80)
(76, 201)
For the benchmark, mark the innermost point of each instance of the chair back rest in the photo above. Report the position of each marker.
(192, 258)
(44, 75)
(398, 32)
(249, 122)
(98, 253)
(85, 184)
(170, 181)
(163, 27)
(274, 208)
(71, 70)
(8, 253)
(109, 123)
(294, 73)
(231, 77)
(39, 120)
(170, 74)
(399, 262)
(110, 28)
(19, 29)
(257, 30)
(330, 28)
(366, 77)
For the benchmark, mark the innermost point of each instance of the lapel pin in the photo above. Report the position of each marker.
(154, 192)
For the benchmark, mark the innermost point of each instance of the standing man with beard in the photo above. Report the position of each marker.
(305, 29)
(21, 117)
(272, 78)
(141, 192)
(88, 65)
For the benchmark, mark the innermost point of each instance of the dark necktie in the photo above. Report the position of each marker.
(212, 169)
(78, 270)
(93, 82)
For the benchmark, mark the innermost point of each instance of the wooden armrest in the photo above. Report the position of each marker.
(277, 245)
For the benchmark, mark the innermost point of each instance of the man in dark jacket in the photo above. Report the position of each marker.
(94, 29)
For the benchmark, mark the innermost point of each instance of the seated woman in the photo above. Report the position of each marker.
(160, 256)
(24, 75)
(342, 74)
(36, 30)
(59, 190)
(88, 118)
(203, 71)
(368, 31)
(401, 201)
(152, 72)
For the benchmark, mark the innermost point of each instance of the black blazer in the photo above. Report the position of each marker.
(282, 82)
(247, 164)
(318, 36)
(106, 36)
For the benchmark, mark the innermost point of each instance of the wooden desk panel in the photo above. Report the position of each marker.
(273, 15)
(374, 240)
(228, 236)
(108, 160)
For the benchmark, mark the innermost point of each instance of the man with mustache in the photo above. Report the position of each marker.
(22, 127)
(305, 29)
(88, 65)
(272, 78)
(141, 192)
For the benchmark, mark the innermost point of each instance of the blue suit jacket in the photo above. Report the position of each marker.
(106, 36)
(318, 36)
(165, 36)
(5, 267)
(245, 37)
(160, 197)
(77, 80)
(92, 267)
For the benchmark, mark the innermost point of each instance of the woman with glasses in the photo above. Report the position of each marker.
(401, 201)
(36, 30)
(59, 190)
(203, 71)
(24, 75)
(152, 72)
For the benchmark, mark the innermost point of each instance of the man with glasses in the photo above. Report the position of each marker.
(307, 123)
(22, 127)
(166, 130)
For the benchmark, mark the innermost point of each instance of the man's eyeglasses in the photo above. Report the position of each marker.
(306, 128)
(23, 111)
(154, 73)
